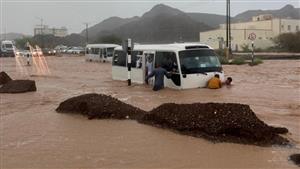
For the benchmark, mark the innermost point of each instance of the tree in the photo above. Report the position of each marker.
(20, 43)
(288, 41)
(50, 41)
(109, 39)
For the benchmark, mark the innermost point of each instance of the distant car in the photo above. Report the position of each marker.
(48, 51)
(37, 52)
(61, 49)
(7, 49)
(75, 50)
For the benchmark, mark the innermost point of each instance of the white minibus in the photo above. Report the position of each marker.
(99, 52)
(191, 64)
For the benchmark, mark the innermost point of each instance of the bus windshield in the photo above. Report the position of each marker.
(199, 61)
(8, 46)
(110, 52)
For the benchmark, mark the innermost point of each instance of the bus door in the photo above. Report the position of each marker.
(137, 67)
(168, 61)
(100, 54)
(104, 52)
(149, 60)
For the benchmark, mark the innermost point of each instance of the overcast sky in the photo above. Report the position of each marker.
(22, 15)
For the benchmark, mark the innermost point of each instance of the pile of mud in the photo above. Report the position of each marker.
(217, 122)
(100, 106)
(296, 159)
(18, 86)
(15, 86)
(4, 78)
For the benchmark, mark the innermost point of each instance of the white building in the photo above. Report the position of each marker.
(263, 27)
(45, 30)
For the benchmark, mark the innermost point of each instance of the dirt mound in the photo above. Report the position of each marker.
(296, 159)
(100, 106)
(4, 78)
(18, 86)
(216, 121)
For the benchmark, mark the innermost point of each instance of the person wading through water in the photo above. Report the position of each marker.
(215, 82)
(159, 73)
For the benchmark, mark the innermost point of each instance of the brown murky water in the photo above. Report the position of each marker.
(33, 135)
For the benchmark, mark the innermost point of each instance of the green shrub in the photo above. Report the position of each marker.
(238, 61)
(245, 48)
(223, 60)
(220, 52)
(256, 61)
(288, 41)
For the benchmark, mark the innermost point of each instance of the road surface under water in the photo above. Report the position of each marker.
(33, 135)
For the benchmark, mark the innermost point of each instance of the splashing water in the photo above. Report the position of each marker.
(39, 61)
(20, 63)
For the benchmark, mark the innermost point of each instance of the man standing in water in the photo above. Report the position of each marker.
(159, 74)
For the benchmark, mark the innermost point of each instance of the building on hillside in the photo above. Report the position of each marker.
(264, 28)
(45, 30)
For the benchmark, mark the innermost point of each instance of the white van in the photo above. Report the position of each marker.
(99, 52)
(191, 64)
(7, 49)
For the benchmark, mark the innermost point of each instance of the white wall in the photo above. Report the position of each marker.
(265, 32)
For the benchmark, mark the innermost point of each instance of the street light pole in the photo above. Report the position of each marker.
(86, 32)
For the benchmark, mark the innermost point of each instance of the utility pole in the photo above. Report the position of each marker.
(227, 32)
(5, 32)
(227, 21)
(86, 32)
(229, 28)
(42, 31)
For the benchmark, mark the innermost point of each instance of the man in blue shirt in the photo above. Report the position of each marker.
(159, 74)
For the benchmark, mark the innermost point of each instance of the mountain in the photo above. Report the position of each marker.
(162, 24)
(11, 36)
(107, 25)
(287, 11)
(212, 20)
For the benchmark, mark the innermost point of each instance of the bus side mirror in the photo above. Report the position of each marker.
(184, 75)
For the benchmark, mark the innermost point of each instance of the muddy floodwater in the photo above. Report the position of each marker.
(33, 135)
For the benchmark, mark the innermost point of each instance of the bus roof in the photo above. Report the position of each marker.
(102, 45)
(169, 47)
(7, 42)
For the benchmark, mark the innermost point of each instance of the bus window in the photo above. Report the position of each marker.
(135, 58)
(167, 60)
(104, 52)
(97, 51)
(119, 58)
(110, 52)
(199, 61)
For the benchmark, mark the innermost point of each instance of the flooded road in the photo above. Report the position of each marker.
(33, 135)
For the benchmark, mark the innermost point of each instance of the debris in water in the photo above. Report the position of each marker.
(18, 86)
(233, 122)
(100, 106)
(4, 78)
(295, 158)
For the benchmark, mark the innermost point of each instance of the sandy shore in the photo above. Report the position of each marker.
(33, 135)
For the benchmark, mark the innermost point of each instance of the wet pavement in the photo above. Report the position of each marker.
(33, 135)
